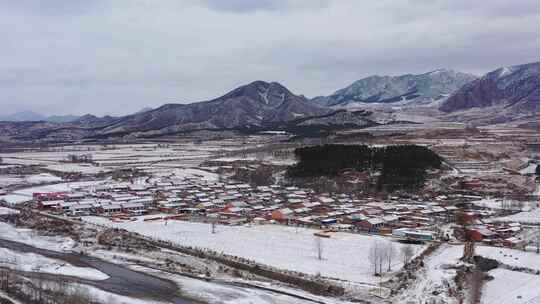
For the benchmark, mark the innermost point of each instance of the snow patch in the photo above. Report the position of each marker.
(505, 71)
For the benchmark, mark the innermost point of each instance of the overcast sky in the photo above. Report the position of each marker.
(118, 56)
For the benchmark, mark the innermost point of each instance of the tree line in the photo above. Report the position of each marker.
(397, 166)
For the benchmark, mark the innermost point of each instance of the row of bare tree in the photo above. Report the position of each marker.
(382, 254)
(535, 239)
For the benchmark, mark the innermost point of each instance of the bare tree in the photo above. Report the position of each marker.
(5, 280)
(536, 239)
(319, 247)
(407, 253)
(79, 295)
(59, 290)
(517, 205)
(111, 300)
(39, 289)
(389, 254)
(374, 256)
(504, 204)
(382, 257)
(213, 223)
(260, 155)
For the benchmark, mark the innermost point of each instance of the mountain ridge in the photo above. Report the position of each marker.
(23, 116)
(256, 103)
(406, 88)
(257, 106)
(514, 88)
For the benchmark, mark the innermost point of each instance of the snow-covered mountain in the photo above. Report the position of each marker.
(145, 109)
(516, 89)
(409, 88)
(257, 106)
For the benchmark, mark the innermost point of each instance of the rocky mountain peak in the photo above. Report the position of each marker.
(257, 104)
(270, 94)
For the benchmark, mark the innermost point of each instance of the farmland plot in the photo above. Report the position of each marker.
(345, 255)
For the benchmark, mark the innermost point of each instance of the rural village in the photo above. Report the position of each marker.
(270, 152)
(169, 206)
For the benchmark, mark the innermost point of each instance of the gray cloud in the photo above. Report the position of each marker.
(116, 57)
(50, 7)
(243, 6)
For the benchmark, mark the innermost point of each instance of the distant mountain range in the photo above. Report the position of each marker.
(61, 118)
(505, 94)
(408, 89)
(258, 106)
(33, 116)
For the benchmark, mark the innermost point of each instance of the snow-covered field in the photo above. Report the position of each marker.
(83, 168)
(508, 286)
(25, 161)
(121, 155)
(28, 180)
(345, 255)
(511, 287)
(267, 159)
(10, 180)
(491, 203)
(37, 263)
(185, 153)
(42, 178)
(15, 198)
(185, 173)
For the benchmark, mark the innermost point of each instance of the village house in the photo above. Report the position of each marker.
(81, 209)
(481, 234)
(49, 204)
(133, 207)
(282, 214)
(110, 209)
(370, 224)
